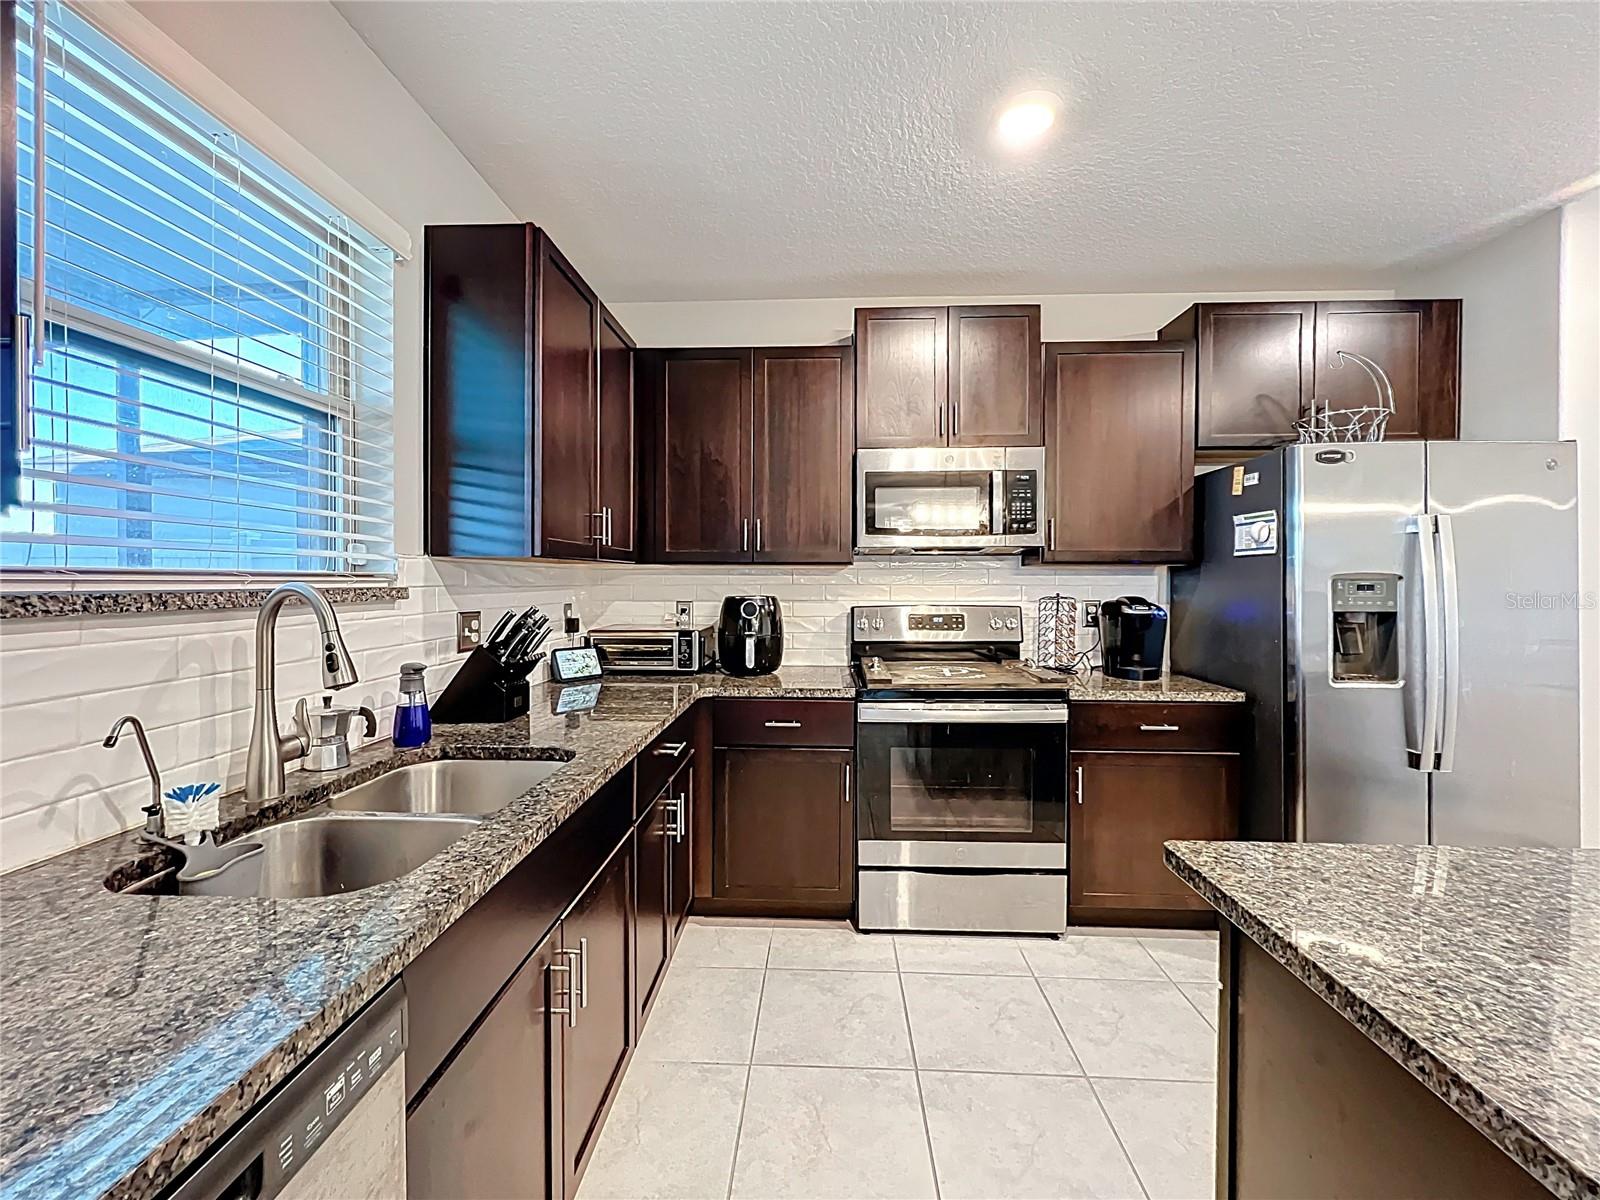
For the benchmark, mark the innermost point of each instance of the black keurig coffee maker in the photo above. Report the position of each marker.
(750, 635)
(1133, 635)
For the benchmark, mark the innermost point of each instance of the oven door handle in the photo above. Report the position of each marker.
(995, 712)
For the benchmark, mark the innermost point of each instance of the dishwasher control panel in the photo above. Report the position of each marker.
(281, 1136)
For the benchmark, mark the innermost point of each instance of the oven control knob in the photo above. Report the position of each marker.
(1011, 622)
(877, 623)
(994, 622)
(861, 623)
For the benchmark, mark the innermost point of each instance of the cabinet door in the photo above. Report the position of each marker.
(680, 853)
(564, 382)
(782, 828)
(484, 1130)
(615, 468)
(652, 929)
(595, 943)
(1130, 404)
(478, 391)
(1254, 372)
(703, 448)
(994, 376)
(902, 377)
(1125, 805)
(1417, 343)
(800, 439)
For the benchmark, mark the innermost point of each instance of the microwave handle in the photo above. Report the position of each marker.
(997, 503)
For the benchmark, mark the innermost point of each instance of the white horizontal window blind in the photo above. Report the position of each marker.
(213, 381)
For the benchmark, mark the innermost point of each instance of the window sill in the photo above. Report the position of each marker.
(31, 605)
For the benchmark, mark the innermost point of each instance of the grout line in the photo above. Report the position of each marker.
(1110, 1124)
(911, 1042)
(1215, 1014)
(749, 1067)
(1101, 1104)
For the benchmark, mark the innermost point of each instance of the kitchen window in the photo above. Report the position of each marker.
(212, 362)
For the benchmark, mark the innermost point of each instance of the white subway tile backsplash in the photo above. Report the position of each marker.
(190, 676)
(27, 837)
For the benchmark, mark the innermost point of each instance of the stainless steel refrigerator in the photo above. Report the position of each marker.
(1404, 616)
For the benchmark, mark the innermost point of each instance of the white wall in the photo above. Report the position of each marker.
(1063, 318)
(1510, 290)
(1580, 420)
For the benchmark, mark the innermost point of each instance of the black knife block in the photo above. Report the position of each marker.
(485, 691)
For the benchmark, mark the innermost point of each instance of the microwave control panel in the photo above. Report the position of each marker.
(1022, 501)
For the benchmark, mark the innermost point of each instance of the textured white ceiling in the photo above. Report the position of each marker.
(739, 150)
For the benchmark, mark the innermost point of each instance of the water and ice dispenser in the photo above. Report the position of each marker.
(1366, 629)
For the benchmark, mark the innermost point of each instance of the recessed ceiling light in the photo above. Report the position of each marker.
(1026, 119)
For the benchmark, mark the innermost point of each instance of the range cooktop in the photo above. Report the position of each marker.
(953, 650)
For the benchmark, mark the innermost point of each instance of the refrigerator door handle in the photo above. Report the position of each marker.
(1425, 756)
(1450, 602)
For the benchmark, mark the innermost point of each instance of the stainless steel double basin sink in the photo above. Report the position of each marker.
(374, 832)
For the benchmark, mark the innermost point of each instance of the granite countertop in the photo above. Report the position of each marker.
(1477, 970)
(135, 1029)
(1169, 689)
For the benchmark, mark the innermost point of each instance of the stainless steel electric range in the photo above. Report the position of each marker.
(961, 773)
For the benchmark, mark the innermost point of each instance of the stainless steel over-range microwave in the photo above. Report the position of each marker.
(950, 500)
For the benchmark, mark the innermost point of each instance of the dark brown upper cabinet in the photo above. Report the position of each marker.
(1418, 345)
(800, 454)
(750, 455)
(615, 489)
(527, 401)
(1119, 451)
(700, 455)
(961, 376)
(566, 384)
(1260, 365)
(902, 365)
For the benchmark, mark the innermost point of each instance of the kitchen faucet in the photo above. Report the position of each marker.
(270, 749)
(152, 811)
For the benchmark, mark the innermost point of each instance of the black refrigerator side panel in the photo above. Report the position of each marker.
(1228, 626)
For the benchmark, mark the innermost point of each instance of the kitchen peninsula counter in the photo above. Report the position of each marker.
(1405, 1020)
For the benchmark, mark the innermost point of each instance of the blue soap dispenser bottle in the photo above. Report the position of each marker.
(413, 725)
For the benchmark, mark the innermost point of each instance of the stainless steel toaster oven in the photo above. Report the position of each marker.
(654, 649)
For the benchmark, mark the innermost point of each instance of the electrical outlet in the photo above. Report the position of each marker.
(469, 631)
(1091, 614)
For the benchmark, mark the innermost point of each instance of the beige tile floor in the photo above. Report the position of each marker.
(813, 1061)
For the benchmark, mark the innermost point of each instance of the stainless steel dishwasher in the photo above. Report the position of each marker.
(334, 1130)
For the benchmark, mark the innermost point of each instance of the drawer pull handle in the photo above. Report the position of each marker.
(783, 724)
(675, 749)
(1158, 729)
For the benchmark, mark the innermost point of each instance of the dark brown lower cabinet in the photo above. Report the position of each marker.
(662, 884)
(596, 945)
(680, 851)
(484, 1128)
(783, 835)
(1124, 806)
(652, 931)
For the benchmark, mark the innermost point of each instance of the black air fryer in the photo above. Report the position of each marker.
(1134, 638)
(750, 635)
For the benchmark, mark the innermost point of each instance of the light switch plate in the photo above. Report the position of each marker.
(469, 631)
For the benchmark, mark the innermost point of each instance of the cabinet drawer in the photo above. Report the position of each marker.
(1140, 725)
(785, 723)
(661, 759)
